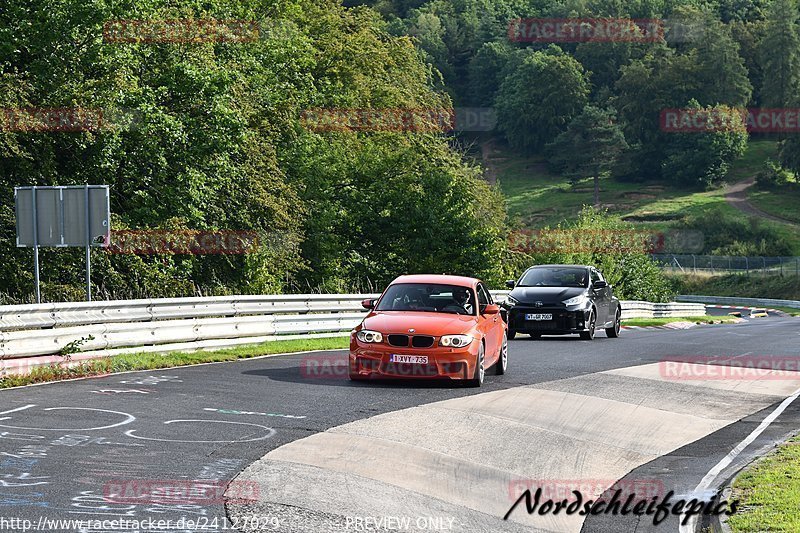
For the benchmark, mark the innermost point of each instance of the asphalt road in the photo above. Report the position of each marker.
(94, 449)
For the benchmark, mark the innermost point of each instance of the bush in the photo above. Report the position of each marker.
(606, 242)
(773, 176)
(741, 285)
(733, 235)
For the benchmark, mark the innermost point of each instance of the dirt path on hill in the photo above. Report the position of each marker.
(736, 196)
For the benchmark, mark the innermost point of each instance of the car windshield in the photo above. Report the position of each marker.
(428, 297)
(555, 277)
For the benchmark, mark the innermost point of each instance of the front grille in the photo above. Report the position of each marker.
(398, 340)
(562, 320)
(422, 341)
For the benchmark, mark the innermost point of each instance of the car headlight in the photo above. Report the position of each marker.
(577, 300)
(366, 335)
(455, 341)
(511, 301)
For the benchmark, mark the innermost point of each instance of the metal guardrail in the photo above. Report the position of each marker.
(735, 300)
(638, 309)
(169, 324)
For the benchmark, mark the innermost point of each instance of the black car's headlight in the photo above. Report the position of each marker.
(580, 300)
(511, 301)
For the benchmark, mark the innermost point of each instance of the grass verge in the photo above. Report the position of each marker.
(769, 492)
(789, 310)
(153, 361)
(740, 285)
(707, 319)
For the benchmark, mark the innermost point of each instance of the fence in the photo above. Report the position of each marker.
(160, 325)
(712, 264)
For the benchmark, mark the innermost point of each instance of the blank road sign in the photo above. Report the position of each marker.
(61, 215)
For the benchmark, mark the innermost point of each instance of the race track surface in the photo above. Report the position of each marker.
(315, 452)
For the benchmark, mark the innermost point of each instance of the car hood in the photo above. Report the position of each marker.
(423, 323)
(546, 295)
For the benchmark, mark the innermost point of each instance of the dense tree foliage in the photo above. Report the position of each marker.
(216, 142)
(717, 52)
(540, 97)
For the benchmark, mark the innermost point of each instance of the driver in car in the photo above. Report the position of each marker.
(462, 302)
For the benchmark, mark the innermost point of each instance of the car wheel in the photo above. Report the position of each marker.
(480, 369)
(502, 362)
(589, 335)
(511, 334)
(613, 331)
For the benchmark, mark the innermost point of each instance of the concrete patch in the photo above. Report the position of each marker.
(462, 458)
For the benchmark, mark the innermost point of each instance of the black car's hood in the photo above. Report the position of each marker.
(546, 295)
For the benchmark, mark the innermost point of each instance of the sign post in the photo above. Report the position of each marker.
(35, 246)
(63, 216)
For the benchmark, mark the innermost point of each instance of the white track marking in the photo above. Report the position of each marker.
(270, 432)
(16, 409)
(709, 478)
(128, 420)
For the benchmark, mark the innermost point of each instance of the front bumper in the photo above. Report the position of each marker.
(565, 320)
(372, 360)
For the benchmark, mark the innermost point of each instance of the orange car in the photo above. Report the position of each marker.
(429, 326)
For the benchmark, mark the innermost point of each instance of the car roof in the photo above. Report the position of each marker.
(561, 266)
(443, 279)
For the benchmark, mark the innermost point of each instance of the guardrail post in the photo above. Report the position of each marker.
(746, 265)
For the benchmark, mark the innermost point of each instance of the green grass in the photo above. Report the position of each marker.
(538, 198)
(783, 203)
(753, 160)
(707, 319)
(769, 493)
(743, 286)
(152, 361)
(789, 310)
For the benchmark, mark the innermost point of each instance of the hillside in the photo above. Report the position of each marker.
(537, 198)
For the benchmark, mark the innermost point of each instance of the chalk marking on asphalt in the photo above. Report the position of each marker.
(237, 412)
(128, 419)
(120, 391)
(270, 432)
(709, 478)
(16, 409)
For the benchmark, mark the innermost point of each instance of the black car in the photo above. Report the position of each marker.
(562, 299)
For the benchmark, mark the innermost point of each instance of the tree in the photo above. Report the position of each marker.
(486, 71)
(720, 67)
(780, 59)
(703, 159)
(538, 99)
(589, 147)
(780, 55)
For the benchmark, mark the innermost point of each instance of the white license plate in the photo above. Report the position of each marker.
(415, 359)
(539, 316)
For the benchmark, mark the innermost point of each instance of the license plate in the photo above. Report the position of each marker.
(415, 359)
(539, 316)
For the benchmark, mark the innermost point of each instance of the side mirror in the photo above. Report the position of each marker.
(600, 285)
(369, 303)
(511, 284)
(491, 309)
